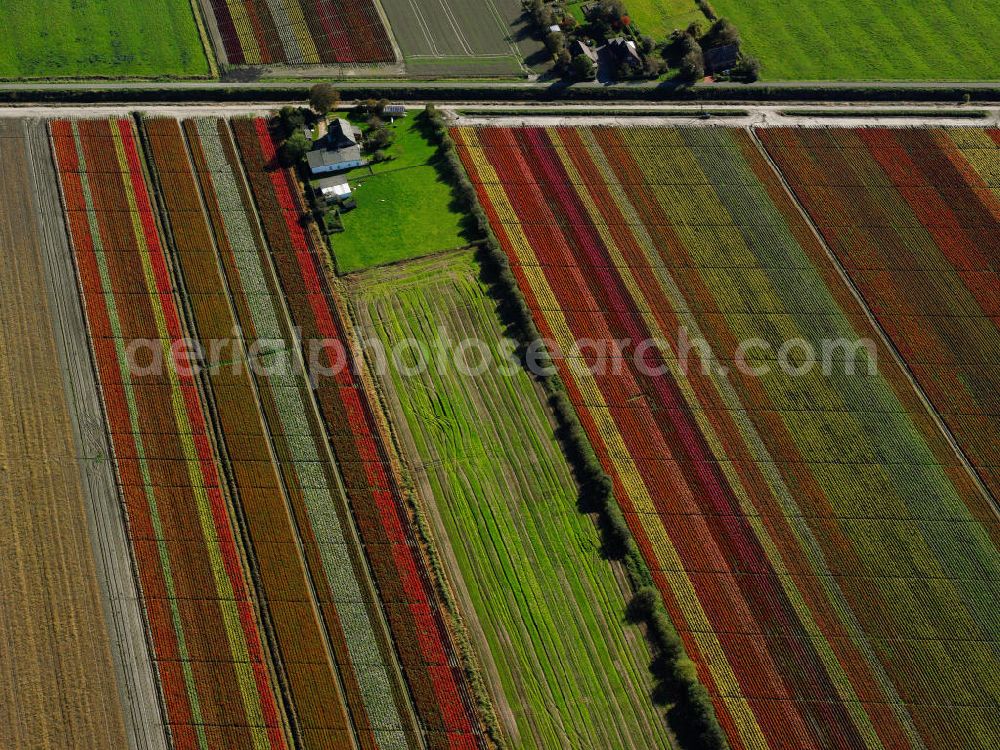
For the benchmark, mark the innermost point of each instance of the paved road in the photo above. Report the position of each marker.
(533, 84)
(729, 115)
(475, 113)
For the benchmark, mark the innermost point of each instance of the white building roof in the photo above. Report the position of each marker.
(340, 190)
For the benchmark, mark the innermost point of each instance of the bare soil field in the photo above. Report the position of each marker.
(58, 682)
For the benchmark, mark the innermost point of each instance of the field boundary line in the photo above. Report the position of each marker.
(131, 648)
(877, 326)
(219, 56)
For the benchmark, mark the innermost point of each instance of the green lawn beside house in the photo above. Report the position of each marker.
(404, 206)
(658, 18)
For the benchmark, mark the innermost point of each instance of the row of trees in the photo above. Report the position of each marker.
(691, 713)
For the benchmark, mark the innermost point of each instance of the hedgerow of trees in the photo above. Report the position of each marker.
(691, 712)
(683, 51)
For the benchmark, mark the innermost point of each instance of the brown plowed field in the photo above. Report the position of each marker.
(57, 683)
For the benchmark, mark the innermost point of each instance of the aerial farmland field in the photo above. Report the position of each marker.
(207, 644)
(59, 686)
(547, 607)
(274, 521)
(911, 216)
(299, 32)
(252, 499)
(367, 476)
(869, 40)
(827, 558)
(460, 37)
(101, 39)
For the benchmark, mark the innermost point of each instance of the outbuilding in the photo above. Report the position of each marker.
(334, 189)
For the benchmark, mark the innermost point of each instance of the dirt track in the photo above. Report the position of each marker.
(57, 682)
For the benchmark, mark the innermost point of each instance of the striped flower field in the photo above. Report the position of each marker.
(829, 561)
(368, 464)
(215, 679)
(375, 699)
(914, 218)
(302, 32)
(311, 679)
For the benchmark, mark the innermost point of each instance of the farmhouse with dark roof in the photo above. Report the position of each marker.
(721, 59)
(338, 151)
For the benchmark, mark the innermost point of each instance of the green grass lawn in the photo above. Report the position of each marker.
(658, 18)
(100, 38)
(404, 206)
(919, 40)
(550, 607)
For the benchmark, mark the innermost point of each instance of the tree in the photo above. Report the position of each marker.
(653, 67)
(380, 138)
(582, 68)
(646, 44)
(679, 46)
(692, 67)
(323, 98)
(693, 30)
(612, 10)
(747, 69)
(534, 7)
(290, 119)
(723, 32)
(295, 148)
(555, 42)
(623, 71)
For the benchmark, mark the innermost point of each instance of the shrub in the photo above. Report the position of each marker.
(707, 9)
(290, 119)
(723, 32)
(379, 137)
(747, 69)
(692, 67)
(294, 149)
(582, 68)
